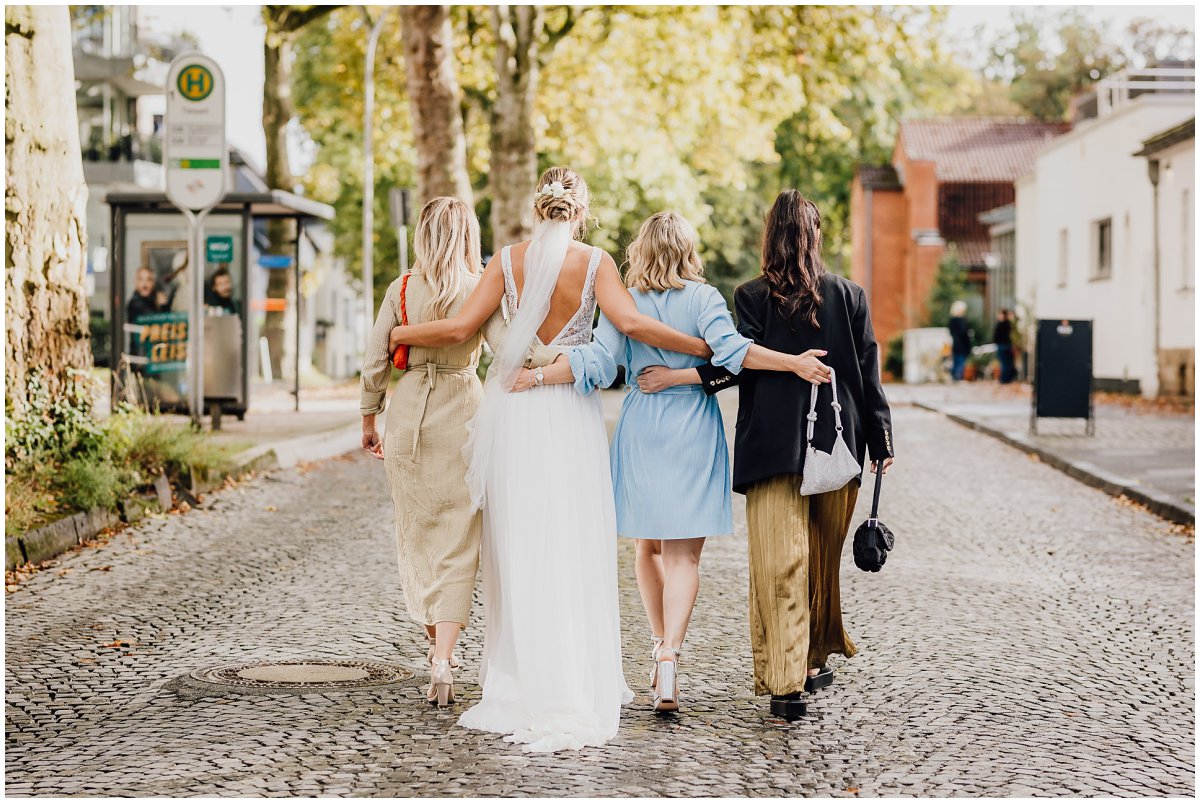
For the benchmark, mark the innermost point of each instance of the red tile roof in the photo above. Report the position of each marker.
(878, 176)
(978, 149)
(970, 253)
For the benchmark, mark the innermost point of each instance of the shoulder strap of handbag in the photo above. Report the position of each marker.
(812, 406)
(878, 484)
(404, 300)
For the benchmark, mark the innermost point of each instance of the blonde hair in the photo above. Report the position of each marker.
(958, 308)
(572, 206)
(663, 255)
(445, 246)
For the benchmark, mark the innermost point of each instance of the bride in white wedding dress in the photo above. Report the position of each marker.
(538, 463)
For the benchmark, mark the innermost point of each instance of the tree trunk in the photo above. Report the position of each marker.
(514, 152)
(436, 104)
(45, 204)
(283, 23)
(277, 111)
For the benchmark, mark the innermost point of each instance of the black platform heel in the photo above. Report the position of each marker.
(821, 680)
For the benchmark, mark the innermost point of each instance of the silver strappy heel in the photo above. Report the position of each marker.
(429, 655)
(654, 660)
(666, 690)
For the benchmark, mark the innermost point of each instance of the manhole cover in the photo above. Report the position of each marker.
(304, 674)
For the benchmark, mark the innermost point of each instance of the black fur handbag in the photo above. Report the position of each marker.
(873, 540)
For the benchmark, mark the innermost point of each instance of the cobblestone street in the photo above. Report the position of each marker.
(1029, 635)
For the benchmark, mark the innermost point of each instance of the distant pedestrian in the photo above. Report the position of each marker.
(218, 295)
(960, 339)
(1002, 337)
(147, 298)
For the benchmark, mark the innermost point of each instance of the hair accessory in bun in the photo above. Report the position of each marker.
(554, 189)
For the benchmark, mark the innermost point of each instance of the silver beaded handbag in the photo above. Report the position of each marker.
(827, 471)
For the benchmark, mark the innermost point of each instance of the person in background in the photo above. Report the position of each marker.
(1002, 337)
(219, 292)
(960, 339)
(147, 298)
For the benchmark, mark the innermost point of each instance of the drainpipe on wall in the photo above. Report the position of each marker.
(1153, 167)
(868, 268)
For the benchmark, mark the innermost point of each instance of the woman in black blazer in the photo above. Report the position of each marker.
(796, 306)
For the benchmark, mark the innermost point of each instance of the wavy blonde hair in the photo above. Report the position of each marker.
(571, 207)
(445, 247)
(663, 255)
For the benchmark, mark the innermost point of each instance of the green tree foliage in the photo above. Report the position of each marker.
(1153, 43)
(328, 92)
(1048, 59)
(863, 70)
(709, 111)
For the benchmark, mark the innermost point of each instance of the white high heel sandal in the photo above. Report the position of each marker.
(441, 683)
(666, 689)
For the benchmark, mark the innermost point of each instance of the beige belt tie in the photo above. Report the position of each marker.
(428, 382)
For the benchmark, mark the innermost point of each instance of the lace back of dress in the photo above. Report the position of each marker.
(578, 330)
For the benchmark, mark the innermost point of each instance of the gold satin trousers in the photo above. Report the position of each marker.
(795, 599)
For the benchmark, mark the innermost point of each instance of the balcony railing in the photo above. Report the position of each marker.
(128, 148)
(1116, 91)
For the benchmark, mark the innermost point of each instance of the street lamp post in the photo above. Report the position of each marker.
(368, 264)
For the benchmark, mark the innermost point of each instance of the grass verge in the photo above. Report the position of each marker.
(60, 459)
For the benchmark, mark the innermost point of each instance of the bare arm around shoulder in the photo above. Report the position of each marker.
(618, 306)
(456, 329)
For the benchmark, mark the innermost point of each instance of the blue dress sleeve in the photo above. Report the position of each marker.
(716, 327)
(595, 364)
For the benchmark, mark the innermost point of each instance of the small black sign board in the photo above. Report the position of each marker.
(1062, 379)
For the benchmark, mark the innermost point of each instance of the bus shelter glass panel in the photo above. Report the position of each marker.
(156, 307)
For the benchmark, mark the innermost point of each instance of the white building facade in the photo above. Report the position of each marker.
(1085, 231)
(1171, 161)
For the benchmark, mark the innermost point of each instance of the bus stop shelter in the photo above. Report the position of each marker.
(150, 315)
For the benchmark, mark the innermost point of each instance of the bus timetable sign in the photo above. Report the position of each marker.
(194, 153)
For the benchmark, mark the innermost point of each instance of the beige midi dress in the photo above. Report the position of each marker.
(437, 528)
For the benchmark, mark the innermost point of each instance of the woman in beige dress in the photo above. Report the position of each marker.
(437, 526)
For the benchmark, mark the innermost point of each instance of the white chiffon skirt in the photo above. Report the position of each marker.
(551, 671)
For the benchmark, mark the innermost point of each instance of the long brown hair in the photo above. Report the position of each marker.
(791, 256)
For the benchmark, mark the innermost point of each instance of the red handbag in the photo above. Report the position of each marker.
(400, 355)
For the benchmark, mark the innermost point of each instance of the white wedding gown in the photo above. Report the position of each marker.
(551, 671)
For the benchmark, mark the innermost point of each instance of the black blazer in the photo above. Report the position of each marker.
(772, 408)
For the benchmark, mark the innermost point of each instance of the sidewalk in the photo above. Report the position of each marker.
(276, 435)
(326, 425)
(1141, 450)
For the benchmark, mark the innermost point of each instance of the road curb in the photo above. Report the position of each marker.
(1160, 504)
(286, 454)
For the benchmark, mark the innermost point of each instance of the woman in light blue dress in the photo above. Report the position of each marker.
(670, 459)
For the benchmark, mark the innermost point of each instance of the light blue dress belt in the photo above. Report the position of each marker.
(428, 382)
(671, 391)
